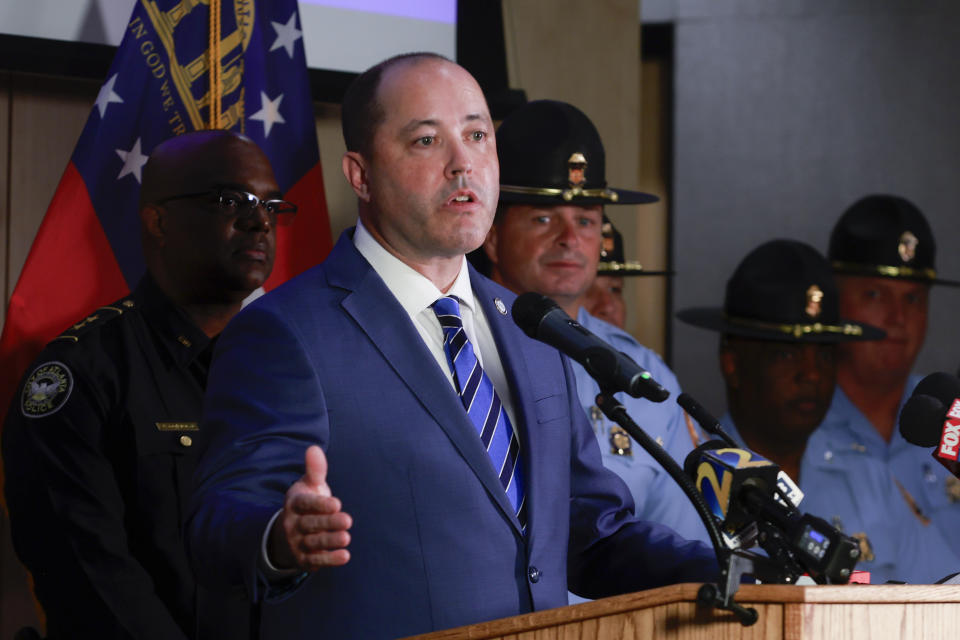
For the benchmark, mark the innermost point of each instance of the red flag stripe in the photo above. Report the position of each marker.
(70, 266)
(307, 241)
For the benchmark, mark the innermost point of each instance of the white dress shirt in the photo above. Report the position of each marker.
(415, 293)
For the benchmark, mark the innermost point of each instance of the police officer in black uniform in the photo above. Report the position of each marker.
(98, 443)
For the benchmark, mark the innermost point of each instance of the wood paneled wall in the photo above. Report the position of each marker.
(589, 56)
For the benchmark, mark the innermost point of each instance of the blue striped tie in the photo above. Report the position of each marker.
(482, 404)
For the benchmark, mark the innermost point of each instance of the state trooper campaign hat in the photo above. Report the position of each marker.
(612, 262)
(550, 153)
(885, 236)
(783, 290)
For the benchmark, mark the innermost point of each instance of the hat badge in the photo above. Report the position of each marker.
(608, 242)
(576, 169)
(814, 301)
(908, 246)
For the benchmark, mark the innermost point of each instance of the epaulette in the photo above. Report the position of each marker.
(96, 319)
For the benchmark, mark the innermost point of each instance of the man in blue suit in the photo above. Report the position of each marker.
(448, 517)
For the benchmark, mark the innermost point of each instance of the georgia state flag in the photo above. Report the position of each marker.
(182, 66)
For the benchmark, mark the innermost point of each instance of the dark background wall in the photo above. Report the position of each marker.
(787, 112)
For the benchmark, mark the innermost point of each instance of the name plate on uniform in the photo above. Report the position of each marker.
(178, 426)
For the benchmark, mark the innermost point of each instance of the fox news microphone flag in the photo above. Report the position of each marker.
(182, 66)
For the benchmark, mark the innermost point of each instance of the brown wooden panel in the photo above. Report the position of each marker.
(341, 201)
(47, 116)
(785, 611)
(647, 296)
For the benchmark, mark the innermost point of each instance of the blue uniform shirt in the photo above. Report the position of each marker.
(658, 498)
(861, 499)
(893, 496)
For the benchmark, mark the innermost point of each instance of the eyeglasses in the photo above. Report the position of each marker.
(241, 204)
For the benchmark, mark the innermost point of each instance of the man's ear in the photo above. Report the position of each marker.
(728, 366)
(153, 219)
(355, 171)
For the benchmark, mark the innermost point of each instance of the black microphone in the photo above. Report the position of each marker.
(788, 489)
(704, 418)
(542, 319)
(931, 418)
(738, 487)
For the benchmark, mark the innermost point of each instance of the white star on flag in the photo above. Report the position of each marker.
(287, 34)
(107, 95)
(269, 113)
(133, 161)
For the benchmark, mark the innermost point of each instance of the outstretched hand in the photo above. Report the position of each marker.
(311, 531)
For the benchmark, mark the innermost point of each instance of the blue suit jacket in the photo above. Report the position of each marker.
(331, 358)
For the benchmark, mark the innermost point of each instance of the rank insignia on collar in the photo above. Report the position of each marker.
(907, 248)
(620, 444)
(46, 390)
(814, 301)
(83, 323)
(576, 169)
(953, 488)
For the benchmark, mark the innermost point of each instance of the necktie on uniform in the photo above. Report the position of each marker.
(482, 404)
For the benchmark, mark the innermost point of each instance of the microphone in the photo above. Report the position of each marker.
(704, 418)
(738, 487)
(931, 418)
(789, 490)
(542, 319)
(721, 473)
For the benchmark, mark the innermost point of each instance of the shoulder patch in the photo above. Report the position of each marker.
(46, 390)
(97, 318)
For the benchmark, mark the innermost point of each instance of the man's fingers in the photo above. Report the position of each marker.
(317, 523)
(311, 503)
(316, 473)
(314, 527)
(314, 561)
(323, 541)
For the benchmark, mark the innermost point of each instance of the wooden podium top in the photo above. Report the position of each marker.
(766, 598)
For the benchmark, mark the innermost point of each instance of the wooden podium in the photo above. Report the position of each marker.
(867, 612)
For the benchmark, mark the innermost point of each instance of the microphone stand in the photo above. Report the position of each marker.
(734, 563)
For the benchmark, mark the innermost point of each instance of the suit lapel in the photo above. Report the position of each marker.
(384, 321)
(513, 354)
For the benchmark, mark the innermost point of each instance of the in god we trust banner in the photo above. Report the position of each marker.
(182, 66)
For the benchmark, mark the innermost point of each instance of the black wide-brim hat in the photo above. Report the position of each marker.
(885, 236)
(784, 291)
(550, 153)
(612, 261)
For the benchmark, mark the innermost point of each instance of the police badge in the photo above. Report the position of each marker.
(953, 489)
(620, 442)
(46, 390)
(866, 549)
